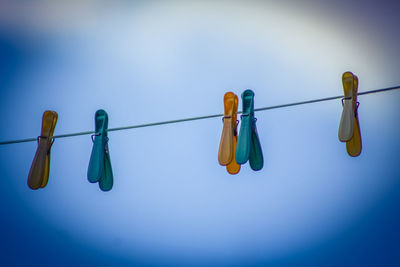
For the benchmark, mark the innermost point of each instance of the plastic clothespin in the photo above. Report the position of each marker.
(100, 164)
(349, 128)
(39, 173)
(248, 146)
(227, 145)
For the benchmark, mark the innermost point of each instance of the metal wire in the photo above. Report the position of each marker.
(200, 117)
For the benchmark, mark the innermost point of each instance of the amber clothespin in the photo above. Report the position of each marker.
(349, 128)
(227, 145)
(39, 172)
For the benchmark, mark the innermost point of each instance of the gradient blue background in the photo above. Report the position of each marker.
(172, 204)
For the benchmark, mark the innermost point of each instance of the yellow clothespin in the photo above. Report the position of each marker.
(349, 128)
(227, 145)
(39, 172)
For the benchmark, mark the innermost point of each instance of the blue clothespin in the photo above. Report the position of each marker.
(248, 146)
(100, 164)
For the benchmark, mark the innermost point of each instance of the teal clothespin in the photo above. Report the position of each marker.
(100, 164)
(248, 145)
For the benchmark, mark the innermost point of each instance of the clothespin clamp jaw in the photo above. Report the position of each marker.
(100, 164)
(227, 146)
(349, 128)
(249, 147)
(38, 176)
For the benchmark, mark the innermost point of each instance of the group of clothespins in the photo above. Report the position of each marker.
(99, 170)
(235, 148)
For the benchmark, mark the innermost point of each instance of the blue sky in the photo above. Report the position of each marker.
(172, 204)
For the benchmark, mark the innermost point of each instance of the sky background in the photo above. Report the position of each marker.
(172, 204)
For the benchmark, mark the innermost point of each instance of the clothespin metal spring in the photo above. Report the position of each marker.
(45, 137)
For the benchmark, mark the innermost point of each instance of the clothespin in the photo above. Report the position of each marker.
(100, 164)
(39, 173)
(349, 128)
(227, 145)
(248, 145)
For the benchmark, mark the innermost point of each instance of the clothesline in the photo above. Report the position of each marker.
(200, 117)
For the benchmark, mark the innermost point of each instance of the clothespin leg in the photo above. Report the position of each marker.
(233, 167)
(225, 152)
(37, 170)
(106, 181)
(354, 145)
(95, 169)
(256, 159)
(243, 143)
(346, 128)
(46, 171)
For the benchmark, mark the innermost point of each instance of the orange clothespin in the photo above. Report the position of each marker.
(349, 128)
(227, 145)
(39, 172)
